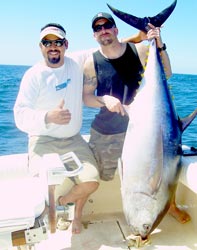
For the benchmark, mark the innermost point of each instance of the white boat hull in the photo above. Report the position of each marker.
(103, 219)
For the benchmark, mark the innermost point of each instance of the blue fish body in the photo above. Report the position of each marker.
(151, 156)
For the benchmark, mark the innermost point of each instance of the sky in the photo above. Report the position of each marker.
(21, 21)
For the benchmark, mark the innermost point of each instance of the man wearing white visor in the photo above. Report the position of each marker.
(49, 109)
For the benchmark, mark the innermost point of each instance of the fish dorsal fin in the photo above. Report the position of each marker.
(185, 122)
(120, 169)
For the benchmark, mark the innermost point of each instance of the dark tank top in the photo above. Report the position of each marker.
(119, 78)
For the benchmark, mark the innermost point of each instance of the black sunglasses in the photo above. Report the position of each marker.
(48, 43)
(107, 25)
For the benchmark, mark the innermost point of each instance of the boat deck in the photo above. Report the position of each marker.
(105, 228)
(108, 233)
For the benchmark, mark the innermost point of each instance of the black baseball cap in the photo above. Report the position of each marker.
(101, 15)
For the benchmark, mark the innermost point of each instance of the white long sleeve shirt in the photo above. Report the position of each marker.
(42, 89)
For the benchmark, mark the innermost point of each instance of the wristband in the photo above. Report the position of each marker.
(162, 48)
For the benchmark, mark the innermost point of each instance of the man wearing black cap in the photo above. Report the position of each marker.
(49, 109)
(113, 73)
(102, 15)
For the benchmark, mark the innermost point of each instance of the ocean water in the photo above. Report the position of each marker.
(12, 140)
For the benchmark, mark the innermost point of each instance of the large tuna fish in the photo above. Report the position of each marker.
(151, 157)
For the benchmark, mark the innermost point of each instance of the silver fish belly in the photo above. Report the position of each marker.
(152, 151)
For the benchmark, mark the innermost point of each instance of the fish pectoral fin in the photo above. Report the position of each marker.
(120, 169)
(155, 182)
(127, 109)
(157, 165)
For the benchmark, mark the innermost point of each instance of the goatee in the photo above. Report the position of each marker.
(54, 60)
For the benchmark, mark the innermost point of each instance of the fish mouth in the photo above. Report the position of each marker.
(137, 241)
(143, 232)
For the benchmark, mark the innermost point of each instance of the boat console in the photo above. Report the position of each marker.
(28, 207)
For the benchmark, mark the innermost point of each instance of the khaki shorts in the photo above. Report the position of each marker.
(107, 150)
(40, 145)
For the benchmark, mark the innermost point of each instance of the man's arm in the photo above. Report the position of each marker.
(90, 85)
(136, 38)
(154, 32)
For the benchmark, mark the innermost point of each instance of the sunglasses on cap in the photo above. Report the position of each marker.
(107, 25)
(48, 43)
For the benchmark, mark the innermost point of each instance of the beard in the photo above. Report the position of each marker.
(105, 41)
(54, 60)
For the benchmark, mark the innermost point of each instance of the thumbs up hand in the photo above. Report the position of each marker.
(58, 115)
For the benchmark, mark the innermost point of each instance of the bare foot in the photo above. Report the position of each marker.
(76, 226)
(180, 215)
